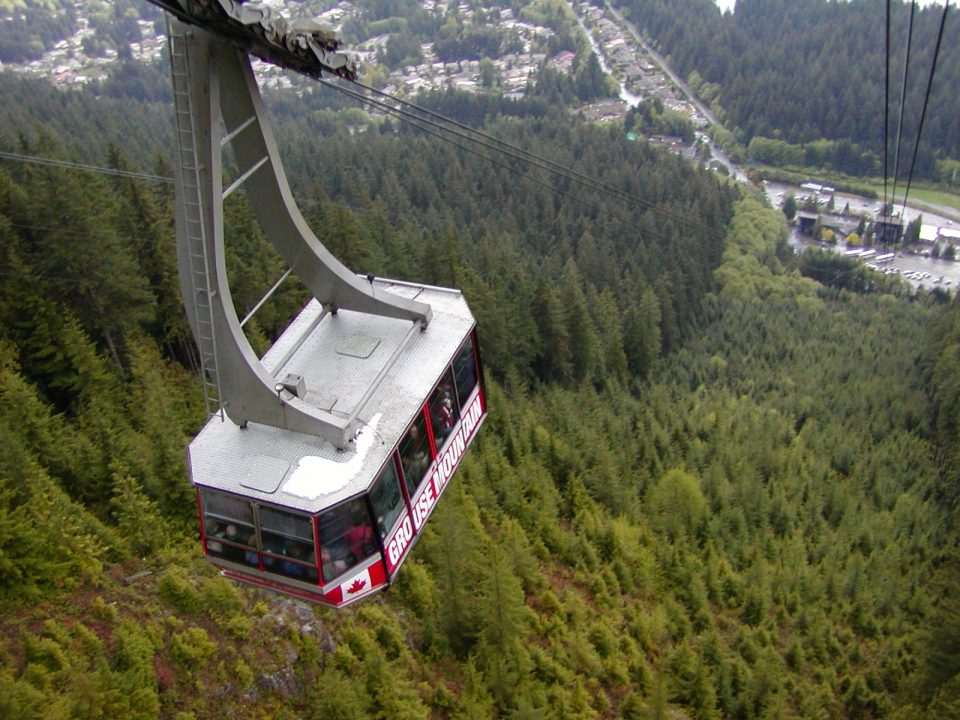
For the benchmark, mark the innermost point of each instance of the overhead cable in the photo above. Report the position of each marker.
(500, 146)
(441, 127)
(886, 110)
(79, 166)
(533, 158)
(926, 100)
(903, 102)
(436, 129)
(454, 128)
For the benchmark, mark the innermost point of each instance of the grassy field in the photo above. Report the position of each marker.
(922, 197)
(938, 201)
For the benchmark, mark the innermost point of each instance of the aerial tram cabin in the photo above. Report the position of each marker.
(320, 462)
(289, 511)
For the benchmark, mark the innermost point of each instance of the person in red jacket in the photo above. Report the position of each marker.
(360, 539)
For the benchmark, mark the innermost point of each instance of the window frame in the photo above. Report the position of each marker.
(363, 500)
(243, 551)
(463, 396)
(404, 504)
(423, 422)
(433, 406)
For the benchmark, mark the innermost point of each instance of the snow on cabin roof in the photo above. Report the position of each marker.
(305, 472)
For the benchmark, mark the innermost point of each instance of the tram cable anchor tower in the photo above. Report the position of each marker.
(218, 106)
(321, 462)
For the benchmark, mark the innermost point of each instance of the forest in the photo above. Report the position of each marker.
(710, 486)
(807, 78)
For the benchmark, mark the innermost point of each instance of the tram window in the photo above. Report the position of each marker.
(465, 371)
(227, 507)
(386, 499)
(443, 411)
(228, 526)
(346, 538)
(287, 544)
(415, 454)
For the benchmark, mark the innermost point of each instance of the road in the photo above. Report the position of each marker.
(933, 214)
(735, 172)
(664, 66)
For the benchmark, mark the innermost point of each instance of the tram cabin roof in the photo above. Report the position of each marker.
(339, 357)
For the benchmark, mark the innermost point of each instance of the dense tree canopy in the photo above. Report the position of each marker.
(807, 78)
(708, 486)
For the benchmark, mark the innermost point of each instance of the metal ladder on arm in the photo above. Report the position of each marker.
(218, 103)
(189, 200)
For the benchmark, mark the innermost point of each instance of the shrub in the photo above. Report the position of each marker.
(192, 647)
(177, 591)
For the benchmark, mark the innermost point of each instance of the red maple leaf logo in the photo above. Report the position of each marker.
(356, 586)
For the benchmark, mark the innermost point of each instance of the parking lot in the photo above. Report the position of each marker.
(918, 270)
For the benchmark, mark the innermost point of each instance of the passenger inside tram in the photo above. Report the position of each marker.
(213, 529)
(386, 499)
(360, 538)
(346, 537)
(415, 454)
(443, 415)
(331, 567)
(251, 556)
(293, 568)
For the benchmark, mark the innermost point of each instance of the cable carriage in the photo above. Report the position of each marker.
(321, 461)
(289, 511)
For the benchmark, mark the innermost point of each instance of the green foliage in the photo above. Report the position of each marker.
(137, 518)
(940, 362)
(751, 269)
(547, 12)
(179, 592)
(942, 652)
(799, 82)
(163, 420)
(676, 505)
(21, 699)
(650, 117)
(338, 697)
(454, 555)
(192, 648)
(220, 595)
(69, 667)
(790, 209)
(475, 702)
(715, 504)
(45, 539)
(775, 152)
(503, 622)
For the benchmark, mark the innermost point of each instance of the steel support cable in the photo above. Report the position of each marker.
(903, 102)
(417, 122)
(517, 153)
(158, 178)
(84, 282)
(424, 123)
(510, 146)
(886, 110)
(79, 166)
(492, 143)
(926, 100)
(190, 17)
(467, 133)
